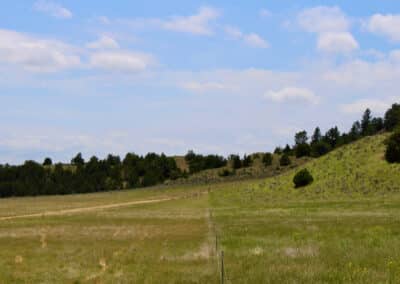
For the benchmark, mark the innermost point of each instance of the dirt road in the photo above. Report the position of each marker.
(85, 209)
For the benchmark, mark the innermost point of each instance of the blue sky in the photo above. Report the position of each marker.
(168, 76)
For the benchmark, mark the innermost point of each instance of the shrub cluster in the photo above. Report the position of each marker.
(303, 178)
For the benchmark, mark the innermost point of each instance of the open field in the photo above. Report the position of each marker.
(344, 228)
(165, 242)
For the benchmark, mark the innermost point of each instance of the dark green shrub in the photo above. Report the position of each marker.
(247, 161)
(302, 178)
(302, 150)
(235, 161)
(267, 159)
(285, 160)
(47, 162)
(392, 153)
(392, 117)
(320, 148)
(226, 173)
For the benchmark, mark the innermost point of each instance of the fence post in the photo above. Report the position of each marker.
(222, 268)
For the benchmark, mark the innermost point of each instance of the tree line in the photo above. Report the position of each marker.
(320, 144)
(134, 171)
(94, 175)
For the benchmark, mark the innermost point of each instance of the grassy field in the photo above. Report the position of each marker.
(165, 242)
(344, 228)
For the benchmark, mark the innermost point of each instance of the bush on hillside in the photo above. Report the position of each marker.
(285, 160)
(267, 159)
(226, 173)
(303, 178)
(303, 150)
(392, 117)
(392, 153)
(235, 161)
(247, 161)
(320, 148)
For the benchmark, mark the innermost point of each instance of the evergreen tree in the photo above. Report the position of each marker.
(392, 153)
(301, 138)
(287, 150)
(235, 161)
(285, 160)
(392, 117)
(47, 162)
(366, 122)
(78, 160)
(267, 159)
(332, 137)
(319, 149)
(317, 136)
(247, 161)
(355, 131)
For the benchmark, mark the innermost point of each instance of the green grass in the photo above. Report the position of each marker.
(167, 242)
(344, 228)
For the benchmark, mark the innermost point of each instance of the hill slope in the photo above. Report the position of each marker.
(343, 228)
(356, 168)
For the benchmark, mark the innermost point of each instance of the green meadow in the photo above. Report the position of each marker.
(343, 228)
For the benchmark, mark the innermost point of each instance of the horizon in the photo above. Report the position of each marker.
(169, 77)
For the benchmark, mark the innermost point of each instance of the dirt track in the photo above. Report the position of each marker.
(86, 209)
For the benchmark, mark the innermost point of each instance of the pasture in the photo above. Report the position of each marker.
(344, 228)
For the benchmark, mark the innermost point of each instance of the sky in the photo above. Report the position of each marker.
(223, 77)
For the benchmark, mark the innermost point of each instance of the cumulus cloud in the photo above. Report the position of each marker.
(293, 94)
(53, 9)
(251, 39)
(36, 54)
(332, 27)
(255, 40)
(198, 24)
(337, 42)
(104, 42)
(121, 61)
(385, 25)
(323, 19)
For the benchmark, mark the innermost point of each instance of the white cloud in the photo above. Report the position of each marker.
(255, 40)
(293, 94)
(337, 42)
(252, 39)
(360, 106)
(385, 25)
(121, 61)
(104, 42)
(323, 19)
(53, 9)
(205, 86)
(198, 24)
(35, 54)
(332, 27)
(380, 76)
(233, 32)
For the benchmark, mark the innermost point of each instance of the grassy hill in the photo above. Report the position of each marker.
(355, 169)
(344, 228)
(256, 171)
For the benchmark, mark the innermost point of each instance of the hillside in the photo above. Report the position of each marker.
(356, 168)
(343, 228)
(255, 171)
